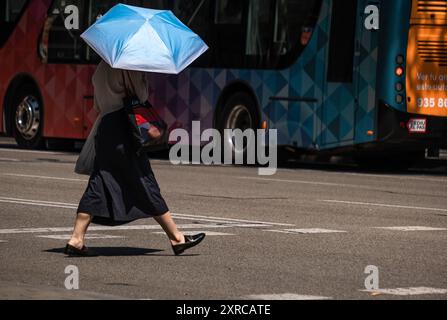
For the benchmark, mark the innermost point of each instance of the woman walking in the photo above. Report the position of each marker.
(122, 187)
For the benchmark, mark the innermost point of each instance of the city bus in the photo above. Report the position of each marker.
(358, 76)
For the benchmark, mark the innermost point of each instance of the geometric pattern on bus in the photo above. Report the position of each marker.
(332, 122)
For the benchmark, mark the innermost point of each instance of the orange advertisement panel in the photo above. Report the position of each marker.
(426, 81)
(429, 12)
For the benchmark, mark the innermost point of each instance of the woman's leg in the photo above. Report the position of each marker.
(169, 226)
(81, 224)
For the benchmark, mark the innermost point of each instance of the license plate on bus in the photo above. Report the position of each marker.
(417, 125)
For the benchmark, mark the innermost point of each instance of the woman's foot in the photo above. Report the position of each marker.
(189, 242)
(179, 239)
(76, 243)
(76, 252)
(76, 248)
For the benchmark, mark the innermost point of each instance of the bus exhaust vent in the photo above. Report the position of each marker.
(432, 7)
(433, 51)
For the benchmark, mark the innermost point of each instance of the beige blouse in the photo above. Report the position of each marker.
(110, 89)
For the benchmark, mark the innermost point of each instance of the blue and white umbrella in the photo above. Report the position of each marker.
(133, 38)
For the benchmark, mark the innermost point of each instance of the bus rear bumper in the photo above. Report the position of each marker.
(411, 131)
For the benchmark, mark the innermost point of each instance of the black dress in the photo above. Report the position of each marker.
(122, 187)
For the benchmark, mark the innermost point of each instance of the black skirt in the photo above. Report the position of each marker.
(122, 187)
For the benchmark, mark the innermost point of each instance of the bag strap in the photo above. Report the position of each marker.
(126, 89)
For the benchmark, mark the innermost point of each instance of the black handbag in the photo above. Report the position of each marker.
(141, 116)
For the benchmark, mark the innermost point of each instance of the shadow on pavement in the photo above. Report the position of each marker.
(114, 251)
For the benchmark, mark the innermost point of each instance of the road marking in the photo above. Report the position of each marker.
(412, 228)
(248, 225)
(42, 177)
(208, 233)
(39, 203)
(307, 231)
(384, 205)
(327, 184)
(3, 241)
(38, 152)
(238, 222)
(116, 228)
(408, 291)
(88, 236)
(285, 296)
(9, 160)
(73, 206)
(420, 178)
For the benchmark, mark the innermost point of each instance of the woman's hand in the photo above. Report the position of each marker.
(154, 132)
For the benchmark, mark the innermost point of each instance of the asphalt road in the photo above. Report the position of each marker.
(306, 232)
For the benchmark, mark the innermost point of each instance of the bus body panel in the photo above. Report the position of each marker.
(194, 94)
(402, 38)
(393, 42)
(366, 66)
(62, 86)
(308, 111)
(349, 115)
(427, 71)
(316, 115)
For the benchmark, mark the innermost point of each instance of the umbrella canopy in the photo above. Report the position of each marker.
(133, 38)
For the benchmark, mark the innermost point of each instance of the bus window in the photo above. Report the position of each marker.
(228, 12)
(197, 15)
(229, 33)
(10, 11)
(188, 10)
(295, 21)
(259, 32)
(341, 48)
(58, 43)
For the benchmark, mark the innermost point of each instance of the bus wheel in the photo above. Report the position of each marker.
(27, 117)
(239, 112)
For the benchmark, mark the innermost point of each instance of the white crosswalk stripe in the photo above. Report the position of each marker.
(42, 177)
(383, 205)
(183, 216)
(208, 233)
(414, 291)
(220, 225)
(88, 236)
(412, 228)
(9, 160)
(285, 296)
(307, 231)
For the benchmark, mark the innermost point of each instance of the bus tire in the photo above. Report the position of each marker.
(238, 112)
(27, 117)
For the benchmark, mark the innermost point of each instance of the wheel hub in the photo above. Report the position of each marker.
(27, 117)
(239, 118)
